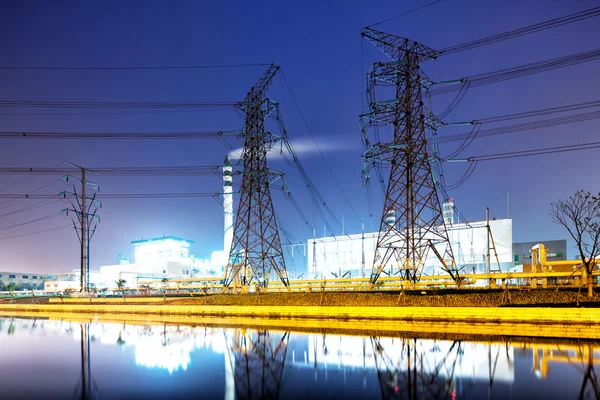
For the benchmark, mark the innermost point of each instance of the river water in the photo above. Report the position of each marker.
(60, 359)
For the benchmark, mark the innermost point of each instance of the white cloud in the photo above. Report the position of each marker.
(302, 147)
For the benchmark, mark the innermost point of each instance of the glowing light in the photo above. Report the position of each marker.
(151, 353)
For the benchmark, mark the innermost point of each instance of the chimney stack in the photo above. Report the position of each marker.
(228, 205)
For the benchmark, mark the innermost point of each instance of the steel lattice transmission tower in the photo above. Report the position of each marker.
(412, 221)
(256, 248)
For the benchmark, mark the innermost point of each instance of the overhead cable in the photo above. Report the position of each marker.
(121, 135)
(112, 104)
(541, 26)
(100, 196)
(35, 232)
(405, 13)
(113, 171)
(535, 152)
(544, 123)
(520, 71)
(156, 67)
(319, 150)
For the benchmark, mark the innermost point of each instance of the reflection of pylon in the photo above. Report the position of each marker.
(258, 361)
(256, 247)
(405, 373)
(411, 195)
(86, 387)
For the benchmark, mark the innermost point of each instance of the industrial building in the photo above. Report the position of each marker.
(156, 258)
(24, 280)
(477, 247)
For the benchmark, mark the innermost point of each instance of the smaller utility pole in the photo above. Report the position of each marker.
(487, 227)
(362, 263)
(491, 245)
(315, 253)
(84, 208)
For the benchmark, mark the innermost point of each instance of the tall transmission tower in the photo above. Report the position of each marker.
(83, 212)
(256, 248)
(412, 221)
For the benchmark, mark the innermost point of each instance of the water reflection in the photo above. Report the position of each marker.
(121, 360)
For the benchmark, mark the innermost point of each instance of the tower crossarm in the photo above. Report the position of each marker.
(396, 47)
(391, 73)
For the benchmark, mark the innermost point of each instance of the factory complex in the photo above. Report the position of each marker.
(478, 247)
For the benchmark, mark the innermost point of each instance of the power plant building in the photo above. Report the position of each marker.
(352, 255)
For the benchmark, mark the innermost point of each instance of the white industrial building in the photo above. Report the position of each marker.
(353, 255)
(156, 258)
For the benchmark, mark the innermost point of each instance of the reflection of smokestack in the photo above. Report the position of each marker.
(228, 204)
(448, 211)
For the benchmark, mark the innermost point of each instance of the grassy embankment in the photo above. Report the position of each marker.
(430, 298)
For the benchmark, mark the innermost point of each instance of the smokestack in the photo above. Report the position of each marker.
(448, 211)
(390, 218)
(228, 205)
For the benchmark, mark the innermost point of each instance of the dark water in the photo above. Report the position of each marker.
(54, 359)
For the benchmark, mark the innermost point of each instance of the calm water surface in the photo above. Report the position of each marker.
(55, 359)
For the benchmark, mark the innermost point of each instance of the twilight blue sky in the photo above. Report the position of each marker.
(319, 48)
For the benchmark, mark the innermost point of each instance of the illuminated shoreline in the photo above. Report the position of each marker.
(525, 322)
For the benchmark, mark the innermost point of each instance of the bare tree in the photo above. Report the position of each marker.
(580, 215)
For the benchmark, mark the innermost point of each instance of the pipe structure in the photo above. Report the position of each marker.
(545, 262)
(227, 205)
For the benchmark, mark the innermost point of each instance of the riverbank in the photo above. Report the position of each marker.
(380, 328)
(440, 298)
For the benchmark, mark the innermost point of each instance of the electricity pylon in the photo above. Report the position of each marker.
(411, 198)
(407, 369)
(257, 362)
(84, 209)
(256, 248)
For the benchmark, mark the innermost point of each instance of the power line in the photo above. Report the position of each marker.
(165, 67)
(192, 170)
(23, 181)
(113, 104)
(113, 195)
(553, 23)
(36, 232)
(405, 13)
(121, 135)
(536, 152)
(319, 149)
(53, 215)
(112, 113)
(526, 126)
(539, 112)
(27, 195)
(29, 207)
(519, 71)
